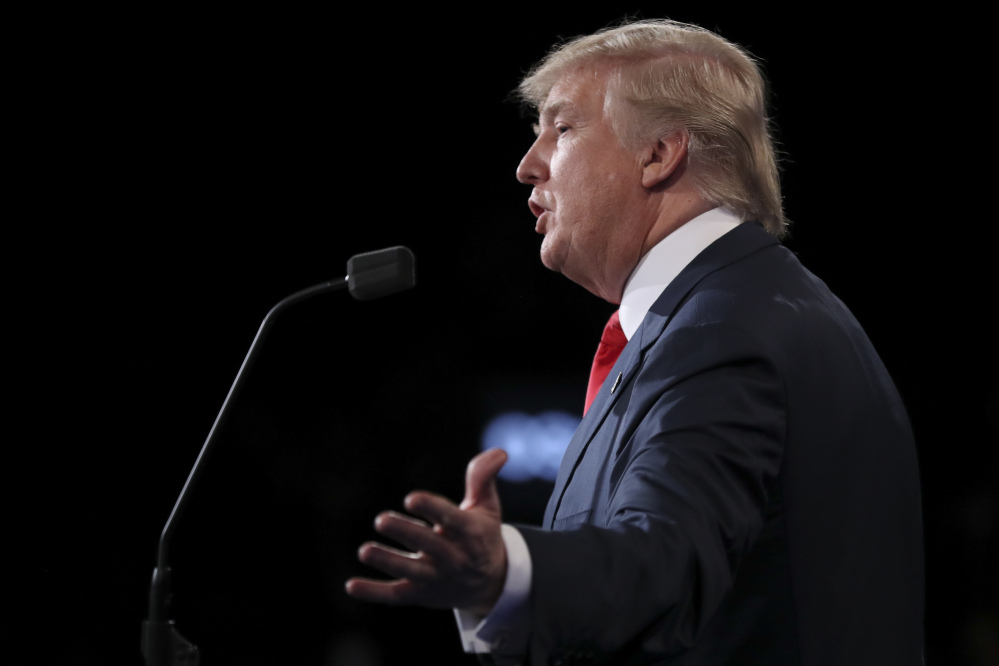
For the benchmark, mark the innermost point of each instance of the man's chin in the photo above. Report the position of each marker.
(551, 259)
(557, 263)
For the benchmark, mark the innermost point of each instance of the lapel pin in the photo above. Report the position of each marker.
(616, 382)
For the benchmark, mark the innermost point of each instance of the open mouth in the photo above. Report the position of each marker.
(535, 208)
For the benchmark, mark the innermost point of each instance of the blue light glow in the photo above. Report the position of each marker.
(535, 443)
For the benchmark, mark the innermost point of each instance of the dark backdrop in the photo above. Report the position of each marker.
(189, 169)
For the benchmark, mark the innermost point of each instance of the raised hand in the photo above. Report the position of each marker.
(457, 558)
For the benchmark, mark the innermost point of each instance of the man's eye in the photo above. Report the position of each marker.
(561, 129)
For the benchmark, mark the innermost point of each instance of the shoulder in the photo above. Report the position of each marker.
(766, 293)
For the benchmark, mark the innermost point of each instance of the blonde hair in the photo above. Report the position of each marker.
(670, 77)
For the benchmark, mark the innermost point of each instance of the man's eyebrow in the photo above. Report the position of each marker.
(556, 107)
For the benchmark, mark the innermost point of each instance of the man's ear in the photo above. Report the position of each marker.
(663, 159)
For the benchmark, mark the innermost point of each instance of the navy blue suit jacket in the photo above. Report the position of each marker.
(749, 492)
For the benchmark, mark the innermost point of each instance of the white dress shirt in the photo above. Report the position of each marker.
(505, 629)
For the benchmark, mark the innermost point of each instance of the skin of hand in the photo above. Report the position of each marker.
(456, 556)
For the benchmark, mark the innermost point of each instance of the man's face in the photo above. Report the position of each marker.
(588, 195)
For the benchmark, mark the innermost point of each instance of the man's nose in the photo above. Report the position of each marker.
(533, 168)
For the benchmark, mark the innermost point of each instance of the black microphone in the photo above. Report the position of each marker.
(380, 273)
(370, 275)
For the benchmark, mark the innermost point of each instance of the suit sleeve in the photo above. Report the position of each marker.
(689, 456)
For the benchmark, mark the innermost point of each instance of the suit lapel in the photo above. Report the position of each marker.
(742, 241)
(627, 363)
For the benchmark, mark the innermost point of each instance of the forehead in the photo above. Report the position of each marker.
(577, 92)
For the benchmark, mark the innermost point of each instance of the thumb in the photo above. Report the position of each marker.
(480, 481)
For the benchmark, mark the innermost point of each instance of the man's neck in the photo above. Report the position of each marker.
(681, 209)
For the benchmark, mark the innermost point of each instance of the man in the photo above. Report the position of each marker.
(743, 488)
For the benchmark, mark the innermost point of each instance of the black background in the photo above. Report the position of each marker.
(187, 170)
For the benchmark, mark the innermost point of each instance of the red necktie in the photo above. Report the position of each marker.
(611, 344)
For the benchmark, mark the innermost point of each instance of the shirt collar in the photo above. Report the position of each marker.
(666, 259)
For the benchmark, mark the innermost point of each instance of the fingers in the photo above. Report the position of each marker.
(395, 562)
(431, 544)
(393, 592)
(480, 480)
(439, 511)
(458, 558)
(411, 532)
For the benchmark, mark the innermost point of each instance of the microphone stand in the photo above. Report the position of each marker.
(162, 644)
(370, 275)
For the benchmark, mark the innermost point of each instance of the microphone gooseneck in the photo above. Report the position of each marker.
(370, 275)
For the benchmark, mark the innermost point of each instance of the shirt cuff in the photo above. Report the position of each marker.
(504, 629)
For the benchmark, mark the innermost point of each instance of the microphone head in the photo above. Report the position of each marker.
(380, 273)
